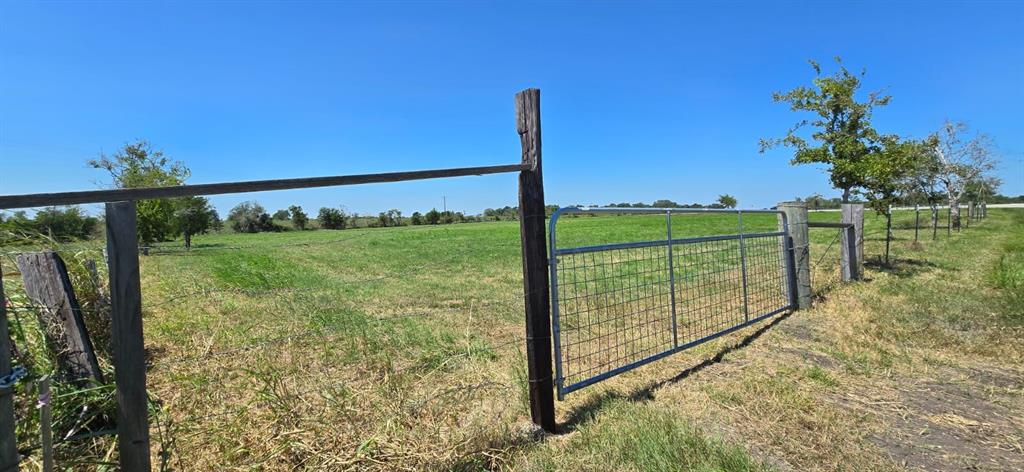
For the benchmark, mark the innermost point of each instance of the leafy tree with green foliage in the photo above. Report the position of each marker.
(923, 180)
(727, 201)
(194, 216)
(59, 224)
(887, 176)
(416, 219)
(332, 218)
(251, 217)
(663, 203)
(843, 136)
(433, 217)
(281, 215)
(139, 165)
(299, 218)
(392, 217)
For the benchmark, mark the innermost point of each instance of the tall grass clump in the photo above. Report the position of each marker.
(1007, 274)
(83, 412)
(644, 437)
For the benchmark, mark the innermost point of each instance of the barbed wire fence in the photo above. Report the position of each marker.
(172, 428)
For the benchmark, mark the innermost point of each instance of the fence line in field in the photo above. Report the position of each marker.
(127, 303)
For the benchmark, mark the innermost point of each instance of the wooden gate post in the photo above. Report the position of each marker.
(853, 213)
(535, 262)
(796, 215)
(129, 351)
(8, 440)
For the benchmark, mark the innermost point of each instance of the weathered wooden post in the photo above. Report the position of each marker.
(45, 405)
(984, 209)
(853, 213)
(47, 284)
(128, 344)
(8, 441)
(796, 214)
(970, 213)
(535, 262)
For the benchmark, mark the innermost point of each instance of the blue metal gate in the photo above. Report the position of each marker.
(621, 305)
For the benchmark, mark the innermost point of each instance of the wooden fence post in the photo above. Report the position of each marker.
(47, 283)
(949, 221)
(129, 350)
(535, 262)
(796, 214)
(8, 441)
(45, 405)
(853, 213)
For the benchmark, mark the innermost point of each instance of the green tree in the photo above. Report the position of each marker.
(194, 216)
(332, 218)
(727, 201)
(139, 165)
(887, 176)
(394, 217)
(60, 224)
(815, 201)
(281, 215)
(923, 181)
(299, 218)
(433, 216)
(417, 218)
(843, 136)
(250, 217)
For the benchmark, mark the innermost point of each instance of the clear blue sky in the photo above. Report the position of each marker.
(640, 101)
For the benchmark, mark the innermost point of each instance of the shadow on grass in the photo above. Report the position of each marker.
(589, 410)
(901, 267)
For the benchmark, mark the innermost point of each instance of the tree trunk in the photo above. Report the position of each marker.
(846, 195)
(188, 240)
(954, 213)
(935, 222)
(917, 221)
(888, 232)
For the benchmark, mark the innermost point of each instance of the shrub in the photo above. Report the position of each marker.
(250, 217)
(299, 217)
(67, 224)
(332, 218)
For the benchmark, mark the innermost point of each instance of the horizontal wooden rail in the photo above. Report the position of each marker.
(822, 224)
(127, 194)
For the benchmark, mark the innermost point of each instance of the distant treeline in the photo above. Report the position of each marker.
(59, 224)
(72, 223)
(818, 202)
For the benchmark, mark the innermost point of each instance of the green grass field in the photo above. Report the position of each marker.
(402, 348)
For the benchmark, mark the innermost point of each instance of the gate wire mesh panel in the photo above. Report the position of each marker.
(621, 305)
(615, 309)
